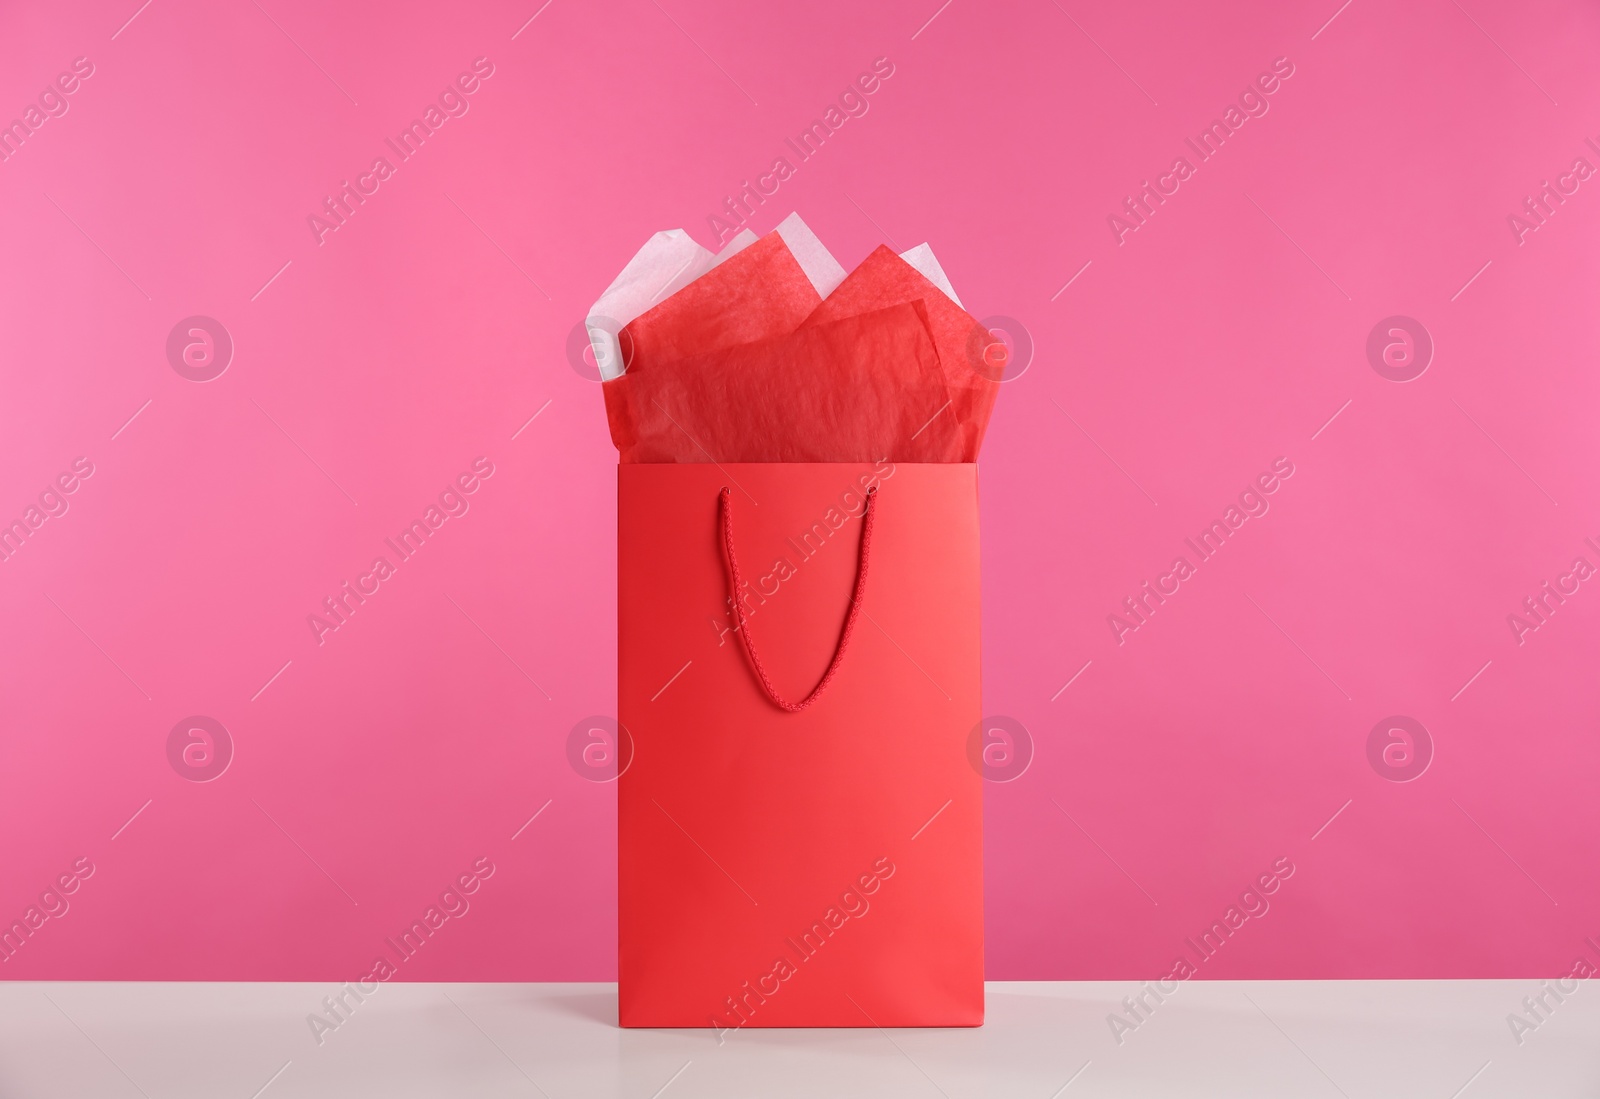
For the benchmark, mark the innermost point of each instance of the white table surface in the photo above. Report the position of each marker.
(1445, 1039)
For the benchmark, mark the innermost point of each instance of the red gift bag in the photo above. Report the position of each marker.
(820, 864)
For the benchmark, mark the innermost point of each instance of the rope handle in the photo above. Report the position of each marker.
(725, 502)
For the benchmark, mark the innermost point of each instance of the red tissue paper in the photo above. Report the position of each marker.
(749, 363)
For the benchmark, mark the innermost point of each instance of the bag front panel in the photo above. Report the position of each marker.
(821, 868)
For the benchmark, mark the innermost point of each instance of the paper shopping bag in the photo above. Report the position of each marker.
(799, 827)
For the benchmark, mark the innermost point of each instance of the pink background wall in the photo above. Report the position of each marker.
(368, 371)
